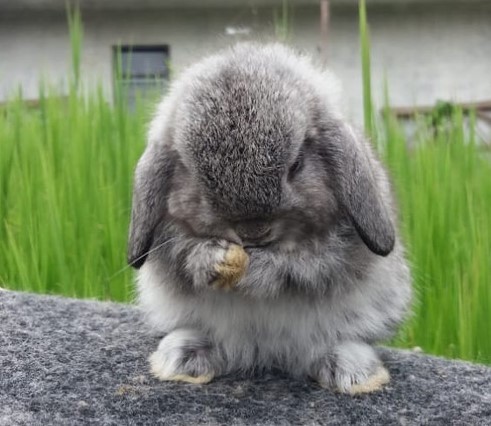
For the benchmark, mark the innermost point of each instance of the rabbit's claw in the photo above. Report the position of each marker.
(233, 267)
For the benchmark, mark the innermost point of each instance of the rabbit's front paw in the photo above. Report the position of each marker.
(354, 368)
(183, 356)
(231, 269)
(218, 264)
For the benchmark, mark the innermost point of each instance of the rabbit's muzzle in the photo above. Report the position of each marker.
(253, 231)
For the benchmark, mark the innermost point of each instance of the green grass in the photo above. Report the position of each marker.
(443, 185)
(65, 176)
(65, 180)
(444, 191)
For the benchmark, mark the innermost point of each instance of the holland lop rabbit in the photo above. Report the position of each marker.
(263, 227)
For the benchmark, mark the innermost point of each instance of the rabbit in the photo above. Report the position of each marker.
(263, 227)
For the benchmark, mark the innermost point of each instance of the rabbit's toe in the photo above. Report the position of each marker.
(374, 382)
(231, 269)
(195, 380)
(354, 368)
(184, 356)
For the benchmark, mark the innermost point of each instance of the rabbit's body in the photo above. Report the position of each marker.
(265, 228)
(291, 331)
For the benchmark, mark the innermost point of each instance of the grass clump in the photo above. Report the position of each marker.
(65, 176)
(444, 189)
(443, 183)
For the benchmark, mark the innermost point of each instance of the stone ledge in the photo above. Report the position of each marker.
(71, 362)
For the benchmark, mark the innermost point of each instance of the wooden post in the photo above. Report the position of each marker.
(324, 11)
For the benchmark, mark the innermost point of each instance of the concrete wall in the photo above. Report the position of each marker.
(427, 53)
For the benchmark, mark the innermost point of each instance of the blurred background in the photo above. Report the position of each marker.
(79, 82)
(428, 50)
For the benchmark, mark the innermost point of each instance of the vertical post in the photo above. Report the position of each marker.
(324, 11)
(366, 72)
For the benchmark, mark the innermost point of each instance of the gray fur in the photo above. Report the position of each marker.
(257, 142)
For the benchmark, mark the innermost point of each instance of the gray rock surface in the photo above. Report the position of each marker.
(71, 362)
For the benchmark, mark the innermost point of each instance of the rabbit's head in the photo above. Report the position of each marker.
(248, 147)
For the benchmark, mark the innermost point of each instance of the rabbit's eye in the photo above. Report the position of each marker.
(296, 166)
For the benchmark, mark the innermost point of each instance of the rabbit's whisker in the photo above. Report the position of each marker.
(143, 255)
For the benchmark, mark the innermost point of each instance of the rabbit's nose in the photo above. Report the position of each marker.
(253, 230)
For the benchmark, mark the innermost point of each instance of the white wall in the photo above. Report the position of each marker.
(427, 53)
(30, 48)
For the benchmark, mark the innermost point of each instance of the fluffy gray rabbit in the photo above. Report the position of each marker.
(263, 228)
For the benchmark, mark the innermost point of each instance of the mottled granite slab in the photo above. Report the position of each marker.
(71, 362)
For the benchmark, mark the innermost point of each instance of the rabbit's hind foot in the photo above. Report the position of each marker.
(374, 383)
(352, 368)
(184, 356)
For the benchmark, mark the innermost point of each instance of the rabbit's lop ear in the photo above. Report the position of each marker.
(152, 183)
(357, 190)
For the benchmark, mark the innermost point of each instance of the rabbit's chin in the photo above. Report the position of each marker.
(255, 245)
